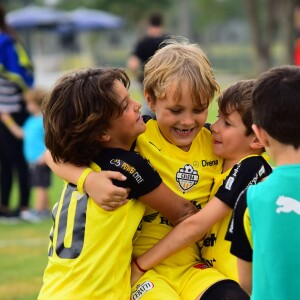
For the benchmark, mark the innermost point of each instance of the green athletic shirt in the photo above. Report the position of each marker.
(274, 207)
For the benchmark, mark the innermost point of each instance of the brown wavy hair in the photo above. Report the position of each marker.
(78, 111)
(238, 97)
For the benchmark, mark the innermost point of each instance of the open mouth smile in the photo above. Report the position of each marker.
(183, 132)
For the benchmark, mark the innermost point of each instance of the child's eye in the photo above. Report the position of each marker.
(175, 111)
(199, 110)
(125, 105)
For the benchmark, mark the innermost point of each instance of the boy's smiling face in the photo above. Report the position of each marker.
(229, 137)
(123, 130)
(179, 121)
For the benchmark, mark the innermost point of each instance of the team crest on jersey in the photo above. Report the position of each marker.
(141, 289)
(187, 177)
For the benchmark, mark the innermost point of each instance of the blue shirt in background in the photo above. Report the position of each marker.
(33, 137)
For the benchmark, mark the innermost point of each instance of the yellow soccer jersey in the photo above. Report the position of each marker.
(228, 186)
(90, 248)
(189, 174)
(69, 278)
(215, 249)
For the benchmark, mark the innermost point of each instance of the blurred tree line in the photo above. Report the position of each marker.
(268, 20)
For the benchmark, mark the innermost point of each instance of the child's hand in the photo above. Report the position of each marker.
(12, 126)
(5, 117)
(101, 189)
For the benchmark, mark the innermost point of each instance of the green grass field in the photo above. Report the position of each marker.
(23, 247)
(23, 254)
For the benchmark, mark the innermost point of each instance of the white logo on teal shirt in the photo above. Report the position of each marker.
(288, 205)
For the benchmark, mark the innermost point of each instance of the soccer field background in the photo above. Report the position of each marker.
(23, 253)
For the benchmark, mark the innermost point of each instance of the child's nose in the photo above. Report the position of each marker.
(188, 119)
(214, 127)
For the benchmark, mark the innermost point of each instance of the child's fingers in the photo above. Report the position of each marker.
(113, 205)
(120, 193)
(114, 175)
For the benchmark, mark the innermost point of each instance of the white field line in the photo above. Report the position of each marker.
(23, 242)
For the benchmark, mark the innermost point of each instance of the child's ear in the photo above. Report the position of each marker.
(255, 143)
(104, 137)
(260, 135)
(149, 101)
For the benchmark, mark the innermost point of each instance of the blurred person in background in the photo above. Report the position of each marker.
(16, 76)
(297, 51)
(33, 135)
(144, 49)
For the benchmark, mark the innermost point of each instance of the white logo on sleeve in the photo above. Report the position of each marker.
(141, 289)
(287, 205)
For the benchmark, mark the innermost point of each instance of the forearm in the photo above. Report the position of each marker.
(16, 131)
(11, 125)
(169, 204)
(245, 274)
(180, 237)
(98, 185)
(65, 171)
(187, 210)
(184, 234)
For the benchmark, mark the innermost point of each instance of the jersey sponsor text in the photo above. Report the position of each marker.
(209, 163)
(141, 289)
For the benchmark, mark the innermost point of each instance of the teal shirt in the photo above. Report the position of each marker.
(33, 141)
(274, 207)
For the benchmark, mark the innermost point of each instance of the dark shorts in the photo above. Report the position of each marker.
(39, 175)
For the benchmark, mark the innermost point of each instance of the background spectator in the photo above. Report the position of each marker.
(16, 76)
(33, 135)
(144, 49)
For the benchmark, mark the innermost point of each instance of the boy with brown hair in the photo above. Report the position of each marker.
(16, 76)
(273, 205)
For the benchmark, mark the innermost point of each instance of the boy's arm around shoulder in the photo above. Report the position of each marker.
(98, 185)
(169, 204)
(189, 231)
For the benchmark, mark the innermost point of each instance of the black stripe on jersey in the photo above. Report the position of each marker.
(249, 171)
(240, 245)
